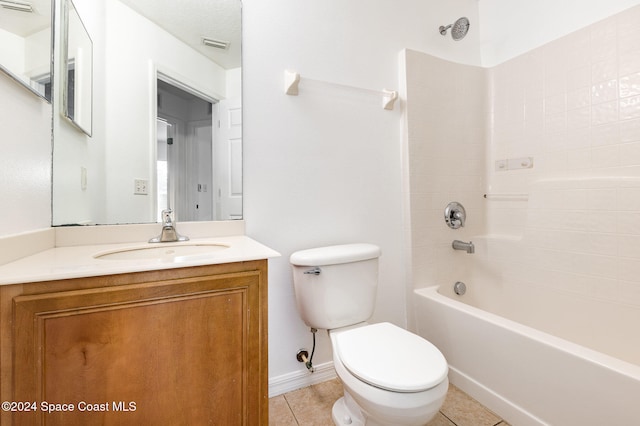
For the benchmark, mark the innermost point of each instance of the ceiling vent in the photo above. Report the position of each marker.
(218, 44)
(16, 5)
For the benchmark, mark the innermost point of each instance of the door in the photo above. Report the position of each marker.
(228, 160)
(198, 172)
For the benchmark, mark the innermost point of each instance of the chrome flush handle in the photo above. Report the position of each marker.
(314, 271)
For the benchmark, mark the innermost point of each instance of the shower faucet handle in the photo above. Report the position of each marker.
(455, 215)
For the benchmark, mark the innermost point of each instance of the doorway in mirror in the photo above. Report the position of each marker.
(198, 155)
(184, 154)
(228, 150)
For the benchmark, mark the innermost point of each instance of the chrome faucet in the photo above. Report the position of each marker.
(461, 245)
(168, 233)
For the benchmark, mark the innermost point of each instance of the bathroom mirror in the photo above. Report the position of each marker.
(151, 146)
(78, 76)
(25, 43)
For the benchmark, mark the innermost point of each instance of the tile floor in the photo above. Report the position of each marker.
(311, 406)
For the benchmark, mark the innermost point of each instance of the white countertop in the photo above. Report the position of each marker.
(79, 261)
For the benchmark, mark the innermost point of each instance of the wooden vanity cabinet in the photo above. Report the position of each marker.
(184, 346)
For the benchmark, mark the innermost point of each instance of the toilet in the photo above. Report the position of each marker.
(390, 375)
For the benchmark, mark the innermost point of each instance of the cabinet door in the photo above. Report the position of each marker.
(174, 352)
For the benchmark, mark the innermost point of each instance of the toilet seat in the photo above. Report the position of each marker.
(391, 358)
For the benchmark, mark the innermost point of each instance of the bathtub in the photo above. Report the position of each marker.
(527, 376)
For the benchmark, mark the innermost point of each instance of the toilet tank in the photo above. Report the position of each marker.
(335, 286)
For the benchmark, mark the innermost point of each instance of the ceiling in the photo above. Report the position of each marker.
(187, 20)
(190, 20)
(24, 24)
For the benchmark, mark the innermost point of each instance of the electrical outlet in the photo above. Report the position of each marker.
(141, 187)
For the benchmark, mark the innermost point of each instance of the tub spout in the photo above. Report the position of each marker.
(461, 245)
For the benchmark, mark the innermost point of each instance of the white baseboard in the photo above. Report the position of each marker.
(300, 379)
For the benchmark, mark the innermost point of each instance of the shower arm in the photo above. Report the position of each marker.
(443, 29)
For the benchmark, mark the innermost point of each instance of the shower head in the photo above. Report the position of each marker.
(458, 29)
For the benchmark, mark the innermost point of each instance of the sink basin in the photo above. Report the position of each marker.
(164, 253)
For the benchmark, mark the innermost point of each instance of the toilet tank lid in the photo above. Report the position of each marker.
(333, 255)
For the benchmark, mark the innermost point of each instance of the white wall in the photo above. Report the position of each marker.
(73, 149)
(37, 58)
(512, 27)
(25, 162)
(234, 83)
(325, 167)
(25, 57)
(13, 51)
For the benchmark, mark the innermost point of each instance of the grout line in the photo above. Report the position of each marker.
(445, 416)
(291, 410)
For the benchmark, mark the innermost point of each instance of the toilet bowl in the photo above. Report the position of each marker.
(390, 376)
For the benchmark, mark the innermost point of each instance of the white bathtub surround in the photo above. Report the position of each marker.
(570, 105)
(573, 105)
(530, 377)
(580, 247)
(444, 138)
(562, 256)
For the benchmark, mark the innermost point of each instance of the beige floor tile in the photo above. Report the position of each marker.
(440, 420)
(312, 405)
(463, 410)
(279, 412)
(330, 389)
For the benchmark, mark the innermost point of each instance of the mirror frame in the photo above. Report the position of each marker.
(69, 90)
(27, 83)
